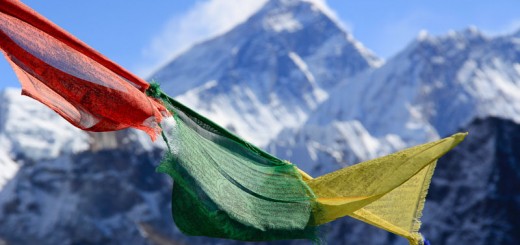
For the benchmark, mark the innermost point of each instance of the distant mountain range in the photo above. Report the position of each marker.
(433, 88)
(291, 80)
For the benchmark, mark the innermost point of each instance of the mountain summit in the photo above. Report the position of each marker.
(268, 73)
(444, 82)
(289, 70)
(432, 88)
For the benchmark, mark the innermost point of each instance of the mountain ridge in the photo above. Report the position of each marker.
(430, 89)
(267, 73)
(67, 186)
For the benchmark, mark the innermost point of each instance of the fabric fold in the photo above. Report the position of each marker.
(238, 191)
(388, 192)
(86, 88)
(223, 186)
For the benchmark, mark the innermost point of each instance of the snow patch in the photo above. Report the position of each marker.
(319, 94)
(8, 168)
(423, 35)
(36, 131)
(282, 22)
(359, 140)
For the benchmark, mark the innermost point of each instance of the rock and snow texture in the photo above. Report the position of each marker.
(65, 186)
(270, 72)
(31, 130)
(106, 197)
(475, 196)
(8, 168)
(288, 72)
(320, 150)
(431, 89)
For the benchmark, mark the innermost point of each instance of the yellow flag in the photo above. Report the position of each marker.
(387, 192)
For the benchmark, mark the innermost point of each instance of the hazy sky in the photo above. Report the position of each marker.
(142, 35)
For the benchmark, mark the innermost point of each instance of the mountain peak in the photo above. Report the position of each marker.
(441, 82)
(422, 35)
(426, 45)
(472, 31)
(274, 4)
(320, 4)
(273, 69)
(291, 15)
(469, 34)
(279, 16)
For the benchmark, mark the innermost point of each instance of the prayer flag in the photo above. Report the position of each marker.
(86, 88)
(223, 186)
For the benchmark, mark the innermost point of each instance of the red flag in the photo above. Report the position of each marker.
(83, 86)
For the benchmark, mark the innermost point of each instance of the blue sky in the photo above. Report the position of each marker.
(142, 35)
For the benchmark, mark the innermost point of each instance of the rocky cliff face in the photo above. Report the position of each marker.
(86, 198)
(474, 197)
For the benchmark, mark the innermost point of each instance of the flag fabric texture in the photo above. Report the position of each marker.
(86, 88)
(223, 186)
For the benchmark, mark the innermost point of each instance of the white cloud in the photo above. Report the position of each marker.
(204, 20)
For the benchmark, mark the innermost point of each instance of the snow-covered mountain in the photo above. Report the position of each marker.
(8, 168)
(104, 197)
(61, 185)
(431, 89)
(65, 186)
(292, 73)
(270, 72)
(31, 130)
